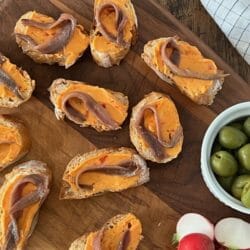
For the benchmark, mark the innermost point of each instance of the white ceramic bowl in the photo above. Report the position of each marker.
(231, 114)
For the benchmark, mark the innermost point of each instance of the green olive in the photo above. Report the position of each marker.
(238, 185)
(246, 126)
(224, 164)
(231, 138)
(226, 182)
(236, 125)
(244, 156)
(245, 196)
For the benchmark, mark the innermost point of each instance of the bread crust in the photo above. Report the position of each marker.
(37, 56)
(60, 85)
(206, 98)
(68, 193)
(23, 132)
(111, 58)
(9, 105)
(147, 152)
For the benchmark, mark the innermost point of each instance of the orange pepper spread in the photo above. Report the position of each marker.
(101, 180)
(16, 74)
(10, 144)
(77, 44)
(116, 109)
(101, 43)
(112, 235)
(192, 59)
(25, 220)
(168, 122)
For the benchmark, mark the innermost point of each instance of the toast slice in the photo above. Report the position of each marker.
(182, 65)
(121, 232)
(15, 140)
(22, 194)
(88, 105)
(103, 170)
(16, 86)
(155, 128)
(51, 41)
(114, 31)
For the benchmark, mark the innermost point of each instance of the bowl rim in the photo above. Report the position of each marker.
(230, 114)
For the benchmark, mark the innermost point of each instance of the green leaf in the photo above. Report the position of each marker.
(175, 240)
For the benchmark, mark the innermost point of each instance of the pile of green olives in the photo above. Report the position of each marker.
(230, 159)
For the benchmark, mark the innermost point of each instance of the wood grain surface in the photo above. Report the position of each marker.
(174, 188)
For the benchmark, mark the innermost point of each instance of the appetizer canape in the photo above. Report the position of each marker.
(114, 31)
(155, 128)
(88, 105)
(14, 140)
(121, 232)
(103, 170)
(181, 64)
(21, 195)
(16, 86)
(51, 41)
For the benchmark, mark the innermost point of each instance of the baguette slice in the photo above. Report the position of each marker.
(155, 128)
(183, 65)
(88, 105)
(14, 140)
(103, 170)
(21, 195)
(108, 45)
(70, 49)
(120, 232)
(16, 86)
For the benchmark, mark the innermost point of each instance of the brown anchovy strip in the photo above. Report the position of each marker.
(7, 80)
(125, 240)
(61, 38)
(123, 244)
(93, 106)
(173, 60)
(18, 203)
(126, 168)
(120, 20)
(156, 143)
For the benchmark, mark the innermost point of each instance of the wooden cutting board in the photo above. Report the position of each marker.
(175, 188)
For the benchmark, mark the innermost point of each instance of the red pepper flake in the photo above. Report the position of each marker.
(103, 158)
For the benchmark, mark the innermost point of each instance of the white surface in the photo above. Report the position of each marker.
(233, 113)
(233, 233)
(194, 223)
(233, 18)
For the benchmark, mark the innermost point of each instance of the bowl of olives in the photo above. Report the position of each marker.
(225, 157)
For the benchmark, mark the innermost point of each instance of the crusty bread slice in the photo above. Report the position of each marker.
(22, 139)
(126, 221)
(8, 100)
(69, 189)
(60, 86)
(79, 243)
(200, 96)
(64, 57)
(22, 172)
(138, 141)
(108, 57)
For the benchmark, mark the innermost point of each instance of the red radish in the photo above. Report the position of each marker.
(233, 233)
(194, 223)
(196, 241)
